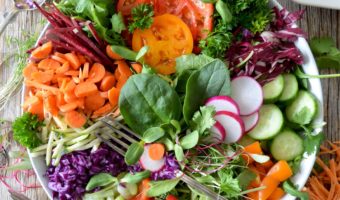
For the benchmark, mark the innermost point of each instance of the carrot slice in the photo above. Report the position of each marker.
(73, 59)
(69, 106)
(142, 190)
(63, 69)
(123, 68)
(81, 103)
(82, 59)
(281, 171)
(254, 148)
(137, 67)
(43, 51)
(107, 83)
(86, 70)
(117, 74)
(59, 59)
(85, 89)
(70, 86)
(112, 54)
(43, 77)
(75, 119)
(94, 102)
(48, 64)
(156, 151)
(113, 96)
(31, 100)
(29, 69)
(270, 185)
(121, 81)
(102, 111)
(105, 95)
(60, 99)
(277, 194)
(35, 84)
(72, 73)
(70, 97)
(37, 109)
(97, 73)
(51, 105)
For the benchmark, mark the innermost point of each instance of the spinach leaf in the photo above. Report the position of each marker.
(191, 62)
(212, 80)
(134, 153)
(160, 187)
(148, 101)
(99, 180)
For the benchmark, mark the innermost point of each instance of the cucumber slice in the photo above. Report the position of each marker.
(291, 88)
(246, 140)
(303, 108)
(287, 145)
(272, 90)
(270, 123)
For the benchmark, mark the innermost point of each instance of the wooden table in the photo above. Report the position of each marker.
(316, 22)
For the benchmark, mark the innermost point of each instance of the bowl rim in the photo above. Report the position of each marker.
(309, 66)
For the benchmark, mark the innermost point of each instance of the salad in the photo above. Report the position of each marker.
(213, 89)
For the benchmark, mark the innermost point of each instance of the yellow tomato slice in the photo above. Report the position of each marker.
(167, 38)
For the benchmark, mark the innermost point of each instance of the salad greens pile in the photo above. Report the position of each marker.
(177, 130)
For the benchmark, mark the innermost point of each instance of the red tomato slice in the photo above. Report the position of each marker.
(196, 14)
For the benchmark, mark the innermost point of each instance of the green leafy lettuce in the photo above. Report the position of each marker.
(101, 12)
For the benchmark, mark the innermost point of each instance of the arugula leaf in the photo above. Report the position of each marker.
(291, 189)
(25, 129)
(117, 22)
(141, 17)
(312, 143)
(203, 120)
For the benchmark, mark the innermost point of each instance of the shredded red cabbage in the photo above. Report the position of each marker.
(68, 180)
(167, 172)
(265, 56)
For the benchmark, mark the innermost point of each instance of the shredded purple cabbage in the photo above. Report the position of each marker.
(265, 56)
(69, 179)
(167, 172)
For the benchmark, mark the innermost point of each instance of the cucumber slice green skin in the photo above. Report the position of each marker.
(273, 90)
(303, 108)
(270, 123)
(290, 90)
(287, 145)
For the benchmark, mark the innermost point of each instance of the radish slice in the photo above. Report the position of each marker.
(223, 103)
(148, 164)
(232, 124)
(250, 121)
(247, 93)
(218, 133)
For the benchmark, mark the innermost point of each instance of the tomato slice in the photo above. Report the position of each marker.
(168, 37)
(196, 14)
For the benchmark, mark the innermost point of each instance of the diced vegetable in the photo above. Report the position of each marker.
(281, 171)
(75, 119)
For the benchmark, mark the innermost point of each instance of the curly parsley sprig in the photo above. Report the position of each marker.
(141, 17)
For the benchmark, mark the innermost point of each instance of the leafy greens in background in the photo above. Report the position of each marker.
(101, 12)
(325, 52)
(253, 15)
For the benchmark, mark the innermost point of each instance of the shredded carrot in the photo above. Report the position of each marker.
(325, 185)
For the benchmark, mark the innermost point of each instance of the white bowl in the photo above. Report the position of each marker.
(307, 163)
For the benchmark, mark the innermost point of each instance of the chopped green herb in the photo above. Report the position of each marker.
(141, 17)
(203, 120)
(292, 190)
(25, 129)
